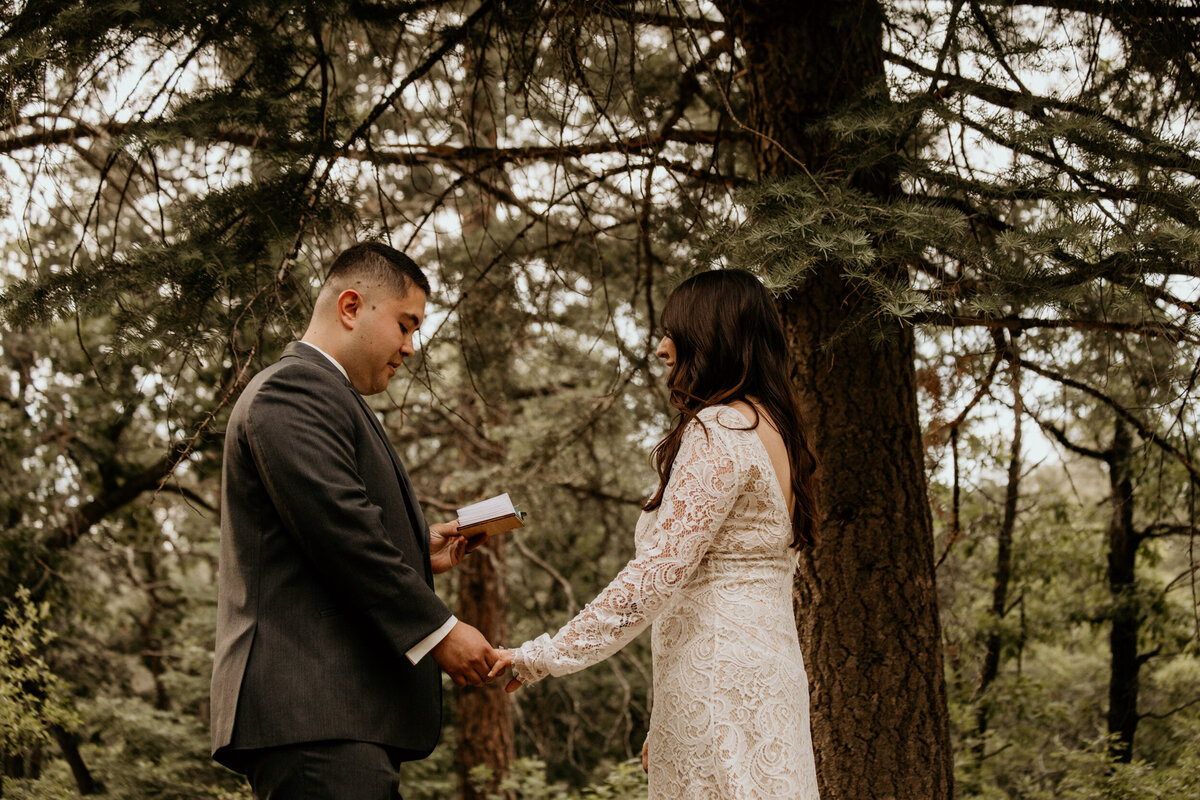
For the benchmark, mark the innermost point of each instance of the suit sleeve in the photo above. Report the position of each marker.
(301, 435)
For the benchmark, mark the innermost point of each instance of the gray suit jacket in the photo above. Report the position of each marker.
(324, 579)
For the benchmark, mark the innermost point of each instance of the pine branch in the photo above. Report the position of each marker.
(600, 494)
(997, 48)
(450, 40)
(980, 391)
(1171, 712)
(1116, 268)
(679, 21)
(951, 29)
(1162, 295)
(80, 520)
(1171, 204)
(1171, 333)
(689, 87)
(535, 559)
(188, 494)
(1142, 429)
(480, 157)
(409, 156)
(1188, 574)
(1129, 9)
(1060, 436)
(1157, 151)
(1162, 530)
(384, 12)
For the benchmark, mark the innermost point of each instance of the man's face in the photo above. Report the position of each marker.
(383, 336)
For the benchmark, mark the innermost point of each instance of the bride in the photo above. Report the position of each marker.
(716, 553)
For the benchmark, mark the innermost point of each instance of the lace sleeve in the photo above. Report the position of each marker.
(701, 491)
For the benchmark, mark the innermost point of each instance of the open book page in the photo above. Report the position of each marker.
(494, 515)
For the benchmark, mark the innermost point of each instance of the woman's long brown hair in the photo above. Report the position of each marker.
(729, 346)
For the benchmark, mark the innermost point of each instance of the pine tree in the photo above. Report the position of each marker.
(896, 171)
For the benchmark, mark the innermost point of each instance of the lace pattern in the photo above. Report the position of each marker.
(712, 572)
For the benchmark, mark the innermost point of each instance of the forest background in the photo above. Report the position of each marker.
(981, 220)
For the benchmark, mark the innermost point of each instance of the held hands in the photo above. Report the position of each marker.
(504, 660)
(447, 547)
(465, 656)
(469, 660)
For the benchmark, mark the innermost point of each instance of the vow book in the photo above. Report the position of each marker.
(494, 515)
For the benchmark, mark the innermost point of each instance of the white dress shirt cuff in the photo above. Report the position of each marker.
(422, 648)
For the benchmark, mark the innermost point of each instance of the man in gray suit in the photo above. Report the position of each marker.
(329, 633)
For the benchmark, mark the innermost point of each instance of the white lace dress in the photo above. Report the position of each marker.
(713, 572)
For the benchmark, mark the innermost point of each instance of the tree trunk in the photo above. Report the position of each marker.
(484, 722)
(868, 615)
(148, 625)
(1123, 638)
(1004, 563)
(484, 719)
(69, 744)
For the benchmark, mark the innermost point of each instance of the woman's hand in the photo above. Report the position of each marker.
(502, 663)
(646, 755)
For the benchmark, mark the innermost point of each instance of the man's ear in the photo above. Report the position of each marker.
(349, 307)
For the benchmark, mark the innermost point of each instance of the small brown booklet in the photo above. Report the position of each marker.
(494, 515)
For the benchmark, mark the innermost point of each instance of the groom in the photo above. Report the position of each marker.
(329, 633)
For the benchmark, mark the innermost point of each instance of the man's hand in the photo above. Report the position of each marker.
(465, 655)
(447, 548)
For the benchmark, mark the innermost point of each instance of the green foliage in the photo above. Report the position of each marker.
(1046, 734)
(32, 697)
(795, 226)
(526, 780)
(164, 241)
(138, 752)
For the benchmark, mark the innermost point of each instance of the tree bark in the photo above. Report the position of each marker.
(1004, 565)
(80, 520)
(484, 714)
(484, 719)
(69, 744)
(867, 611)
(1125, 663)
(1123, 637)
(484, 723)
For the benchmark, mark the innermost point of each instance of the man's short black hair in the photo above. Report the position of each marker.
(373, 263)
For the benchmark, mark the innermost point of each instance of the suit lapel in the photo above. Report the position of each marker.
(414, 508)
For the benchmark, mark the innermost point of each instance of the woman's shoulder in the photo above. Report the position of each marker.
(722, 424)
(712, 437)
(737, 416)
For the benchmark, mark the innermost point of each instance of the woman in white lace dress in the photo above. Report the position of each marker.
(716, 553)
